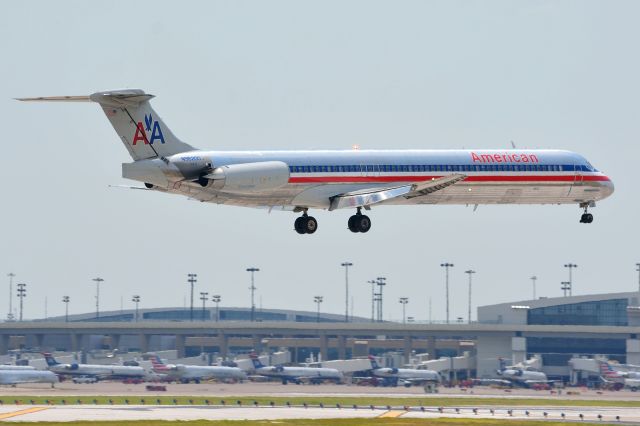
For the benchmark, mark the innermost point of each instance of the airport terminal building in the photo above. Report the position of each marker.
(562, 327)
(557, 329)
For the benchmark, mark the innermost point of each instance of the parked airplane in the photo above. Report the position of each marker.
(354, 179)
(15, 377)
(195, 373)
(608, 372)
(297, 374)
(521, 376)
(93, 370)
(404, 376)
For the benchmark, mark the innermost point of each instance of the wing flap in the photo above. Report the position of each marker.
(377, 195)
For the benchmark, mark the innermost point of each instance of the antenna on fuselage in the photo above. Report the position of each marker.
(513, 145)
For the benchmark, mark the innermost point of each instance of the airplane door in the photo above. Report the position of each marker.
(578, 177)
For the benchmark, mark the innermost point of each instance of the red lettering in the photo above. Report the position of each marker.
(498, 158)
(140, 134)
(486, 158)
(474, 157)
(534, 158)
(525, 159)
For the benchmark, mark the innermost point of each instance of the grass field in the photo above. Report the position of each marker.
(329, 422)
(377, 401)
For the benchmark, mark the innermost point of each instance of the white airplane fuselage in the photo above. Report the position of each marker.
(300, 373)
(408, 374)
(194, 372)
(312, 178)
(96, 370)
(14, 377)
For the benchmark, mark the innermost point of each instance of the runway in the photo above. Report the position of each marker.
(28, 413)
(221, 390)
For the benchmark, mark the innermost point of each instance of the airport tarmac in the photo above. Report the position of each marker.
(68, 388)
(38, 413)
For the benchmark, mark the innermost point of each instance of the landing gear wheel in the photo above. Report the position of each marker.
(299, 225)
(586, 216)
(352, 223)
(364, 223)
(310, 225)
(306, 224)
(359, 223)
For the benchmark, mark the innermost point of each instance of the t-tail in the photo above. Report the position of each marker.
(51, 361)
(374, 362)
(256, 361)
(139, 127)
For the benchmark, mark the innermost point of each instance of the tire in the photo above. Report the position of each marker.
(352, 224)
(634, 389)
(364, 223)
(589, 218)
(311, 225)
(299, 225)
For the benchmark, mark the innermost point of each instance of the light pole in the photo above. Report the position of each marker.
(470, 272)
(22, 293)
(373, 298)
(318, 301)
(65, 300)
(380, 282)
(98, 281)
(404, 301)
(570, 266)
(203, 296)
(346, 288)
(216, 299)
(638, 269)
(10, 316)
(566, 286)
(136, 299)
(447, 265)
(253, 270)
(533, 281)
(191, 279)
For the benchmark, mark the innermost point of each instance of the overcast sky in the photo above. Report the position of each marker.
(306, 75)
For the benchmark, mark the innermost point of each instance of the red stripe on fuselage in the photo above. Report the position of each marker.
(495, 178)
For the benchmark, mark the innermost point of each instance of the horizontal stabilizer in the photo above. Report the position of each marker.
(56, 99)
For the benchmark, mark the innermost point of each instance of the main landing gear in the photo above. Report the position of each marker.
(359, 222)
(306, 224)
(586, 216)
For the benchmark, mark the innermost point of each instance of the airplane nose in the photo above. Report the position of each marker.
(608, 186)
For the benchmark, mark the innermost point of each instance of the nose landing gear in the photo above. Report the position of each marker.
(586, 216)
(306, 224)
(359, 222)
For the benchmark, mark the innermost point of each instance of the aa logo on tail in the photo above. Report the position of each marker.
(152, 126)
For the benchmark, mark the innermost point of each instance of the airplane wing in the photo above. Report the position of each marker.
(377, 195)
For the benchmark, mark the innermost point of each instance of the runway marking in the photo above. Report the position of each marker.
(22, 412)
(392, 413)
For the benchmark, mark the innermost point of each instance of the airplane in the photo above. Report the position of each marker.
(522, 376)
(93, 370)
(404, 376)
(16, 377)
(297, 375)
(354, 179)
(608, 372)
(195, 373)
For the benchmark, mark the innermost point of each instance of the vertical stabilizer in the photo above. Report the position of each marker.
(139, 127)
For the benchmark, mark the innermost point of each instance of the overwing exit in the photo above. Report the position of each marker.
(301, 181)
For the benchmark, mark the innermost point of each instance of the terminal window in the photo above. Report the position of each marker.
(600, 312)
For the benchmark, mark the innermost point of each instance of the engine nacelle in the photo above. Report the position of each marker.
(248, 178)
